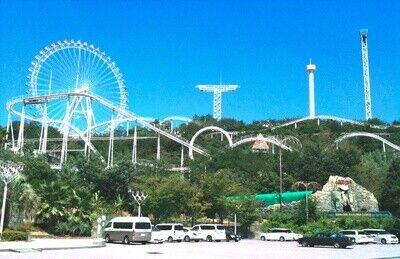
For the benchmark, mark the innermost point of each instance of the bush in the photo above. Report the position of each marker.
(73, 228)
(14, 235)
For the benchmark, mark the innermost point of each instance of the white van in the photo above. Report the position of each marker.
(171, 231)
(128, 229)
(210, 232)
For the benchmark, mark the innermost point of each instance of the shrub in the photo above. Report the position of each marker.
(14, 235)
(73, 228)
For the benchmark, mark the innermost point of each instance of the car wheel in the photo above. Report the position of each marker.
(343, 246)
(170, 239)
(336, 245)
(262, 238)
(187, 239)
(281, 239)
(107, 238)
(196, 241)
(126, 240)
(209, 238)
(144, 242)
(383, 241)
(304, 244)
(236, 240)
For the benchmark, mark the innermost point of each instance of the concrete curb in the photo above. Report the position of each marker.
(40, 248)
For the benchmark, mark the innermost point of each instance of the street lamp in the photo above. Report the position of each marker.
(8, 172)
(313, 184)
(139, 197)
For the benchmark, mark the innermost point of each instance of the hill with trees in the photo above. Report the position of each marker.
(69, 200)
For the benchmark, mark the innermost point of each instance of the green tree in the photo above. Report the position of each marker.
(391, 195)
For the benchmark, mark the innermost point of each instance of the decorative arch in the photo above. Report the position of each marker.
(209, 128)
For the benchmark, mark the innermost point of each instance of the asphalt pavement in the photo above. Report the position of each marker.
(242, 249)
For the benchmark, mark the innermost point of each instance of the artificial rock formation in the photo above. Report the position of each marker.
(342, 194)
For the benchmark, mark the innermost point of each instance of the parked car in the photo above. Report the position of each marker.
(191, 235)
(281, 234)
(358, 236)
(382, 236)
(128, 229)
(156, 236)
(171, 231)
(395, 232)
(210, 232)
(326, 239)
(230, 235)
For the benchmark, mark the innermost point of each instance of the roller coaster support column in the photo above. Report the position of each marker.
(64, 148)
(182, 153)
(110, 159)
(158, 147)
(8, 129)
(89, 118)
(134, 146)
(43, 133)
(20, 144)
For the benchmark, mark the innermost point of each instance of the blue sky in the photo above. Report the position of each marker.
(165, 48)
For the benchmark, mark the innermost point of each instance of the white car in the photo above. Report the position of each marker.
(156, 236)
(171, 231)
(382, 236)
(190, 235)
(210, 232)
(359, 236)
(281, 234)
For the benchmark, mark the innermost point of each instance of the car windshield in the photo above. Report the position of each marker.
(362, 233)
(384, 233)
(220, 227)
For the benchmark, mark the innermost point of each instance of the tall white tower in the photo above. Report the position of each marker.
(367, 88)
(217, 91)
(311, 98)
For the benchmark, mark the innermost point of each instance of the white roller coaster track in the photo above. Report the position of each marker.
(328, 117)
(271, 140)
(122, 112)
(370, 135)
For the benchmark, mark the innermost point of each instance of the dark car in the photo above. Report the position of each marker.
(230, 235)
(336, 240)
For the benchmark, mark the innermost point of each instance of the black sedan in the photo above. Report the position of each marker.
(326, 239)
(230, 235)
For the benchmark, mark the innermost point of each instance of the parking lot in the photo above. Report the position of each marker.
(242, 249)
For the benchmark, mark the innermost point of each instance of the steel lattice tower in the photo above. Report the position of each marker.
(367, 87)
(217, 91)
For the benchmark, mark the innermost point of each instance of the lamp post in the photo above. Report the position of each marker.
(8, 172)
(313, 184)
(139, 197)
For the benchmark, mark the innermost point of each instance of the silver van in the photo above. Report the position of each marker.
(128, 229)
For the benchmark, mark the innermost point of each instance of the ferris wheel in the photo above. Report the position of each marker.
(76, 67)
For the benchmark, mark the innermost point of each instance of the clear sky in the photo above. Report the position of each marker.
(165, 48)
